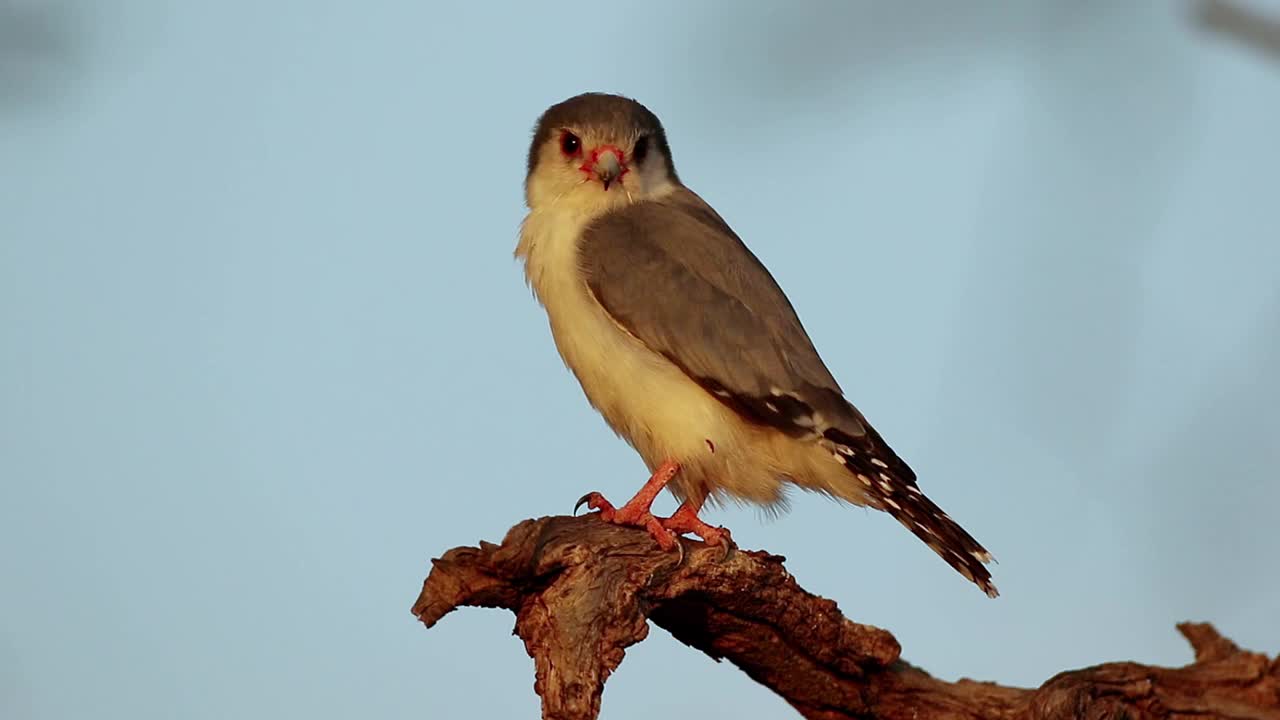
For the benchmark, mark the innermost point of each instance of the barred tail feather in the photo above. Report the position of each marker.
(886, 483)
(928, 522)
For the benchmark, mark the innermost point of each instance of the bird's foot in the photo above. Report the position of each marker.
(630, 516)
(637, 513)
(685, 520)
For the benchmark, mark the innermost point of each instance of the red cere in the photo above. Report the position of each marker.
(590, 165)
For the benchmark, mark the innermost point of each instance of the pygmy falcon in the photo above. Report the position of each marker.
(687, 346)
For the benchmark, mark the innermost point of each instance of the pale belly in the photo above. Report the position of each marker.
(644, 397)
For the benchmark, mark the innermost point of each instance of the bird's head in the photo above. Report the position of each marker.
(598, 149)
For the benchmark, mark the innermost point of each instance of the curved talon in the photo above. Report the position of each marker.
(729, 546)
(720, 537)
(596, 501)
(637, 513)
(686, 520)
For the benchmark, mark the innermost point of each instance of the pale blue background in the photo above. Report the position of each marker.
(264, 350)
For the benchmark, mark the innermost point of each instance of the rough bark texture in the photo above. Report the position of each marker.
(583, 591)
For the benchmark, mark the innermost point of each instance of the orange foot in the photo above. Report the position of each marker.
(637, 512)
(685, 520)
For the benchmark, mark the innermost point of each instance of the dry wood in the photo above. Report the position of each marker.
(583, 591)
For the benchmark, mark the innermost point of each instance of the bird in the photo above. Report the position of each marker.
(687, 346)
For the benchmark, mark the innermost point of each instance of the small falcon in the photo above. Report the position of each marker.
(686, 345)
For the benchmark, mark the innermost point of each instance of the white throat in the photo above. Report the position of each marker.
(551, 231)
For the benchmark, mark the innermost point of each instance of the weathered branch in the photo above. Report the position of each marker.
(582, 592)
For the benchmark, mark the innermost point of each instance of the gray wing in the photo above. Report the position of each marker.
(676, 277)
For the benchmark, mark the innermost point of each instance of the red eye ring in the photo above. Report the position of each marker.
(570, 144)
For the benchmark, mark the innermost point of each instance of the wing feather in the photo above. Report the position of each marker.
(680, 280)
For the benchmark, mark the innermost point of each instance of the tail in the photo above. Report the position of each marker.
(886, 483)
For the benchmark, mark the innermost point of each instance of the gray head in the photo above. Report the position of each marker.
(598, 147)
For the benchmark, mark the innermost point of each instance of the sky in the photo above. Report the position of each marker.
(265, 351)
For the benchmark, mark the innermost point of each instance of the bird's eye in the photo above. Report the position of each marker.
(641, 149)
(570, 144)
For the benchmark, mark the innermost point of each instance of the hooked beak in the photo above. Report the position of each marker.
(607, 166)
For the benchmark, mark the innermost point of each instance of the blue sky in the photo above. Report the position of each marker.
(264, 350)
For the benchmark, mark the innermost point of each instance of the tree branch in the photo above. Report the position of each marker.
(582, 592)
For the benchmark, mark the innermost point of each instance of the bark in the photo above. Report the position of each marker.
(583, 591)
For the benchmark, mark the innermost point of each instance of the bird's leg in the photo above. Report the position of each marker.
(685, 520)
(637, 511)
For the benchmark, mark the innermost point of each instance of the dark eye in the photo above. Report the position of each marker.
(641, 149)
(570, 144)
